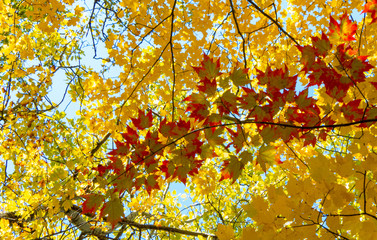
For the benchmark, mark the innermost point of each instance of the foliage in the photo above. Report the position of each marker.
(264, 110)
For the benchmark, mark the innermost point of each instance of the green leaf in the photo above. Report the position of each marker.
(114, 211)
(232, 168)
(267, 155)
(213, 138)
(240, 77)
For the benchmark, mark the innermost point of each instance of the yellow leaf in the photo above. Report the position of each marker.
(4, 223)
(225, 232)
(320, 169)
(67, 204)
(249, 233)
(267, 155)
(250, 210)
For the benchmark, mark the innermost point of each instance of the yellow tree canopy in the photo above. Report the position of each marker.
(265, 110)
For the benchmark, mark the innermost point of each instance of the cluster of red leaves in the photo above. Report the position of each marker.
(144, 165)
(175, 149)
(371, 7)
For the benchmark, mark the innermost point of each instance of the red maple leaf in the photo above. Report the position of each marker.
(208, 86)
(116, 164)
(166, 127)
(308, 116)
(237, 137)
(152, 140)
(208, 69)
(310, 54)
(101, 169)
(317, 69)
(232, 168)
(354, 65)
(140, 154)
(334, 83)
(193, 148)
(121, 149)
(248, 100)
(321, 45)
(227, 103)
(345, 30)
(196, 164)
(166, 168)
(351, 110)
(131, 136)
(197, 111)
(371, 7)
(181, 128)
(143, 121)
(225, 174)
(322, 134)
(151, 183)
(308, 57)
(309, 138)
(277, 80)
(198, 106)
(92, 203)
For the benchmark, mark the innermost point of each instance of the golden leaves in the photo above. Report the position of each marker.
(225, 232)
(320, 170)
(143, 52)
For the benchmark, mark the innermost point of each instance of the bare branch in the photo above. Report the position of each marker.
(99, 144)
(273, 20)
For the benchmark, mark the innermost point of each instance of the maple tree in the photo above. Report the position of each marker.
(264, 110)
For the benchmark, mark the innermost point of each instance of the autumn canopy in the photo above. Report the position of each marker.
(180, 119)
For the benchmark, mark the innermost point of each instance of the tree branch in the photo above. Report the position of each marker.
(239, 32)
(75, 216)
(273, 20)
(86, 228)
(172, 57)
(167, 229)
(94, 150)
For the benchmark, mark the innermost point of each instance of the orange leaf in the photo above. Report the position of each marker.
(371, 7)
(345, 30)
